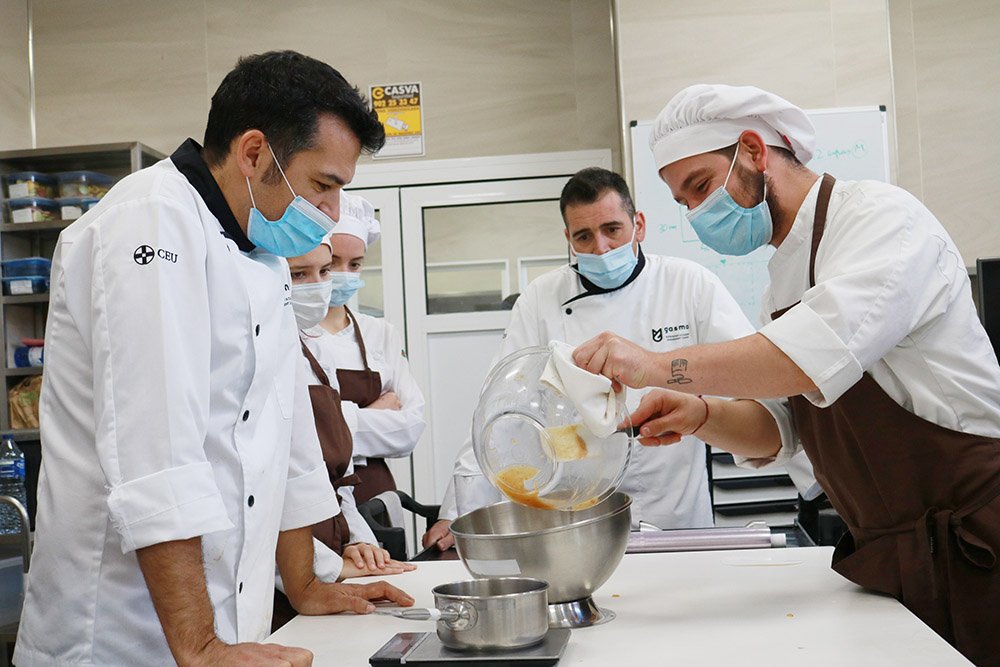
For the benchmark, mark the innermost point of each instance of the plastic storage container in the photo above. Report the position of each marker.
(84, 184)
(71, 208)
(26, 356)
(25, 285)
(31, 209)
(30, 184)
(29, 266)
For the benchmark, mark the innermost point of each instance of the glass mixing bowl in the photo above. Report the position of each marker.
(531, 443)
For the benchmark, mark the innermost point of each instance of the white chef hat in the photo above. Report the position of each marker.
(357, 218)
(707, 117)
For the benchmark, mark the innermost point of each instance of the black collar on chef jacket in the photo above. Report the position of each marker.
(591, 289)
(187, 158)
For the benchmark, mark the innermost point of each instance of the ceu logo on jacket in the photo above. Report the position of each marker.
(145, 254)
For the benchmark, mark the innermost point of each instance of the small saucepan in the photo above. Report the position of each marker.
(497, 613)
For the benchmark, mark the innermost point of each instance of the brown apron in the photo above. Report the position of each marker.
(922, 502)
(337, 446)
(364, 387)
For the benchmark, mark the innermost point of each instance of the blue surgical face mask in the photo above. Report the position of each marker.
(728, 228)
(300, 228)
(610, 270)
(345, 284)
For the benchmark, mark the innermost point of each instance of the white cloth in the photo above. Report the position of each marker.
(673, 303)
(892, 298)
(165, 410)
(377, 433)
(707, 117)
(591, 394)
(357, 218)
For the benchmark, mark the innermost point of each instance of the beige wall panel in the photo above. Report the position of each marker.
(499, 77)
(958, 88)
(785, 46)
(597, 121)
(119, 70)
(15, 106)
(904, 81)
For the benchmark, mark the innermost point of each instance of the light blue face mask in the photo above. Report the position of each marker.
(345, 284)
(728, 228)
(300, 228)
(610, 270)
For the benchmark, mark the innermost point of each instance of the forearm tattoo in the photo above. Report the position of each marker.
(678, 368)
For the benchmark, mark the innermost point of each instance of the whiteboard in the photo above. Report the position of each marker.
(851, 144)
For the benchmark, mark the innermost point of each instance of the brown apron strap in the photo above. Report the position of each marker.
(314, 364)
(357, 337)
(349, 480)
(819, 222)
(819, 225)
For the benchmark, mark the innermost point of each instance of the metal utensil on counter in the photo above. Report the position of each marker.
(501, 613)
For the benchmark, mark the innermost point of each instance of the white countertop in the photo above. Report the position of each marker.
(752, 607)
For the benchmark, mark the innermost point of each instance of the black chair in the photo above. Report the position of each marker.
(393, 538)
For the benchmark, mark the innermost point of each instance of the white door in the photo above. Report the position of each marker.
(382, 295)
(468, 250)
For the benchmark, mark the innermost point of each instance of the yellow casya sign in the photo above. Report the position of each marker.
(398, 108)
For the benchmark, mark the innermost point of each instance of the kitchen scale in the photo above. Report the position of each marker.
(424, 648)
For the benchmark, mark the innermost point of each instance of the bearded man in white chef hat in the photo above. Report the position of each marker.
(892, 381)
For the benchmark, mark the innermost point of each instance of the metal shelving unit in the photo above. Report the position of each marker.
(23, 316)
(741, 495)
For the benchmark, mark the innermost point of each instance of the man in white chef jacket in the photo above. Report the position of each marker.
(661, 302)
(180, 458)
(892, 382)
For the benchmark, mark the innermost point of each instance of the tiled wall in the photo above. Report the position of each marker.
(500, 77)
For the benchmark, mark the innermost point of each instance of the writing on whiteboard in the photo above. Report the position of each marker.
(856, 151)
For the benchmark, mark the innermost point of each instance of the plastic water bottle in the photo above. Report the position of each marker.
(12, 476)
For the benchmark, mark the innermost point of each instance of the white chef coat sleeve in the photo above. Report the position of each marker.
(151, 347)
(790, 444)
(391, 433)
(881, 273)
(360, 530)
(309, 495)
(523, 331)
(721, 319)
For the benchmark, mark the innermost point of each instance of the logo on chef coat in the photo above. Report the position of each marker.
(671, 332)
(145, 254)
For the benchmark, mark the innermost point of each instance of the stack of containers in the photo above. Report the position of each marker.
(31, 197)
(26, 276)
(36, 197)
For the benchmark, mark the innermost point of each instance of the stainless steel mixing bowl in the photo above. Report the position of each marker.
(575, 551)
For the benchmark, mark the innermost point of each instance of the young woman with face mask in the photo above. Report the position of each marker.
(345, 545)
(382, 403)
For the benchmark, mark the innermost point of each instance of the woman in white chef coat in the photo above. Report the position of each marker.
(382, 404)
(344, 546)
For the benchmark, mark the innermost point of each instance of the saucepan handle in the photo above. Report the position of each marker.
(459, 616)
